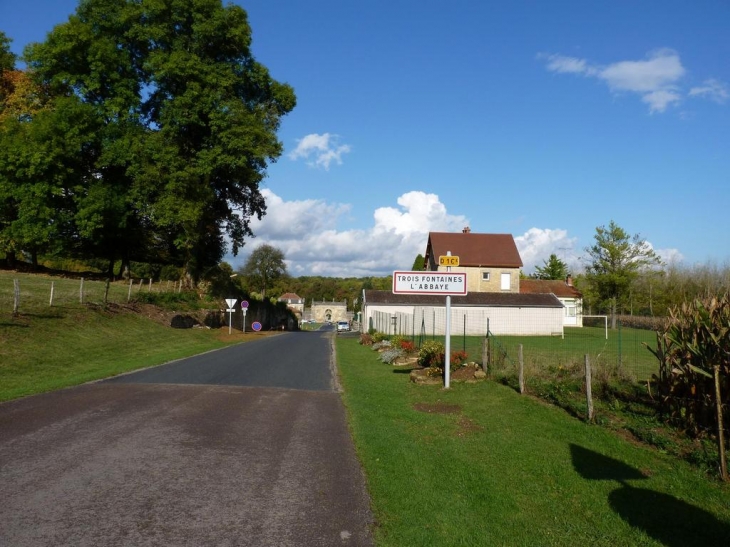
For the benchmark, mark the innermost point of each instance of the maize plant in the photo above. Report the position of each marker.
(695, 340)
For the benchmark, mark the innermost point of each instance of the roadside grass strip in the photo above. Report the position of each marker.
(40, 352)
(478, 464)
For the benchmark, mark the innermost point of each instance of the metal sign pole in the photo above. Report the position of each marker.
(447, 343)
(244, 309)
(231, 302)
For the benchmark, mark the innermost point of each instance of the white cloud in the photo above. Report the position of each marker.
(661, 71)
(712, 89)
(667, 256)
(656, 79)
(306, 231)
(537, 244)
(320, 150)
(566, 65)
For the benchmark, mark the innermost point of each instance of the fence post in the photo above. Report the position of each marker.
(81, 291)
(140, 285)
(106, 292)
(129, 292)
(589, 393)
(50, 302)
(720, 427)
(149, 288)
(522, 369)
(16, 297)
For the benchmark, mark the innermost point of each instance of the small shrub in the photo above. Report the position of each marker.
(379, 336)
(433, 372)
(366, 340)
(381, 345)
(431, 354)
(458, 358)
(390, 355)
(407, 346)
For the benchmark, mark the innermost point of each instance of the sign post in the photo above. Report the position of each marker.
(447, 341)
(231, 302)
(446, 283)
(244, 309)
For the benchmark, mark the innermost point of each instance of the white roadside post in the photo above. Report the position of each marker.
(231, 302)
(436, 283)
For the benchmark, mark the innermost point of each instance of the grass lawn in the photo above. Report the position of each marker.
(478, 464)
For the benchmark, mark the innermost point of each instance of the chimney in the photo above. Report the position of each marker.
(466, 230)
(569, 281)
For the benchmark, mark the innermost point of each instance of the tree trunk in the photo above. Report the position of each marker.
(613, 313)
(124, 269)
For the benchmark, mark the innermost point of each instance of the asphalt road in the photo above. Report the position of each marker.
(242, 446)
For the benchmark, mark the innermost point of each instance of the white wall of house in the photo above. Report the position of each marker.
(573, 311)
(471, 321)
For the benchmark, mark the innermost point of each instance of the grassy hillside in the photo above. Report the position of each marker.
(47, 347)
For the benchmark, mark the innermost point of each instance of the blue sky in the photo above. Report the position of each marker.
(539, 119)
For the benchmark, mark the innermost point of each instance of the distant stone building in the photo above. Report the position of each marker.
(333, 311)
(294, 302)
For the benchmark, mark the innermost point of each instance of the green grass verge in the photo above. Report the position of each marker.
(65, 346)
(502, 469)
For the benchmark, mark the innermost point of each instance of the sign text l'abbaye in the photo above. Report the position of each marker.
(445, 283)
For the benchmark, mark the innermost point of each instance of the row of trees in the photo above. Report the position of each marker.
(139, 131)
(623, 275)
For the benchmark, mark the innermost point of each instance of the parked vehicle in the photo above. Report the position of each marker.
(343, 326)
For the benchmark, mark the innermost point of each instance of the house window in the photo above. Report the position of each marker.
(570, 311)
(485, 276)
(506, 282)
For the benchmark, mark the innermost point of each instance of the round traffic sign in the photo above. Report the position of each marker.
(256, 326)
(244, 304)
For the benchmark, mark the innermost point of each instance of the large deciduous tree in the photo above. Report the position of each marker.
(187, 122)
(615, 261)
(264, 266)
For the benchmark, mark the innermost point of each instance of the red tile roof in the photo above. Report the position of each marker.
(549, 286)
(475, 250)
(290, 296)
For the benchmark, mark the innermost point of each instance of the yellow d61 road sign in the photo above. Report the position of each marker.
(448, 260)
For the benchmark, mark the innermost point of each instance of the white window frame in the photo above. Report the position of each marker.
(485, 276)
(508, 277)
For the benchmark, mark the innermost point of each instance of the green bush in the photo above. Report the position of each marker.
(172, 300)
(431, 354)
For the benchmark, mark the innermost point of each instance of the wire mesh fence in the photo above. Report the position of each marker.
(32, 294)
(622, 349)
